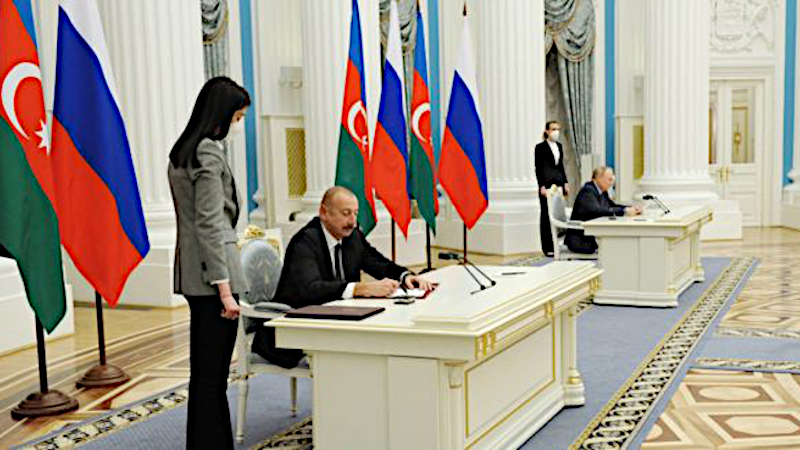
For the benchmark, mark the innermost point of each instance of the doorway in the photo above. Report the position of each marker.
(736, 145)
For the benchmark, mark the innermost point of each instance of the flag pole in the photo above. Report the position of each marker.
(465, 242)
(103, 374)
(46, 402)
(394, 244)
(464, 13)
(428, 248)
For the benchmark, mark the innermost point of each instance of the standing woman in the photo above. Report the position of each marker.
(549, 160)
(207, 268)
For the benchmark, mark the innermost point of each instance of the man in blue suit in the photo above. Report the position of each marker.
(593, 202)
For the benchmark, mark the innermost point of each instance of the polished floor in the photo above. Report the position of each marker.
(152, 344)
(742, 409)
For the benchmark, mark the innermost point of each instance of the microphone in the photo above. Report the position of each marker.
(658, 202)
(466, 264)
(447, 256)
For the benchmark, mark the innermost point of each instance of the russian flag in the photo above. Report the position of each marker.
(100, 212)
(462, 166)
(390, 151)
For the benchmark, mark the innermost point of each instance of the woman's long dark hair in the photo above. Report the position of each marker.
(211, 118)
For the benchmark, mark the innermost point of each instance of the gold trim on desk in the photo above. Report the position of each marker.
(594, 286)
(584, 275)
(489, 342)
(548, 311)
(522, 404)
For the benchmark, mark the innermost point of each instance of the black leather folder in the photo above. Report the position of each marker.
(332, 312)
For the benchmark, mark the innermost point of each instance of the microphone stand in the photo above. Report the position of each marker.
(481, 286)
(661, 204)
(466, 262)
(466, 265)
(658, 203)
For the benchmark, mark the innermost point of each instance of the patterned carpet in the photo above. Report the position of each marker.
(619, 422)
(297, 437)
(157, 361)
(758, 406)
(166, 368)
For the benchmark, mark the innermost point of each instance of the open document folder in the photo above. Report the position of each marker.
(411, 293)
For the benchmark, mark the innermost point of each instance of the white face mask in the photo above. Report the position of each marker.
(554, 135)
(236, 129)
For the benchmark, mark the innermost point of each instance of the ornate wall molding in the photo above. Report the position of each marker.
(743, 26)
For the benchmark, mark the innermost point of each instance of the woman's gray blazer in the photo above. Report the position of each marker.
(207, 208)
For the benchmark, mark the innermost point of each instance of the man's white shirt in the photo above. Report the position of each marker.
(331, 242)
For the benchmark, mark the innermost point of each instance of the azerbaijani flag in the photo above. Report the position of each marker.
(352, 164)
(100, 212)
(390, 152)
(422, 174)
(28, 220)
(462, 166)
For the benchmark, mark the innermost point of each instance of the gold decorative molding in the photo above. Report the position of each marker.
(256, 232)
(465, 379)
(594, 286)
(574, 381)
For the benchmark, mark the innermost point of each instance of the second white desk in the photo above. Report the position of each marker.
(649, 261)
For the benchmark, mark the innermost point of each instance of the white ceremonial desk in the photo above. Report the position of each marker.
(649, 260)
(452, 371)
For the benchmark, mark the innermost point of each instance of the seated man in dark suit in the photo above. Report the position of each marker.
(593, 202)
(323, 263)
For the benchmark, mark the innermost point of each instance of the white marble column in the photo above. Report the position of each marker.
(157, 58)
(676, 123)
(326, 30)
(509, 53)
(326, 40)
(676, 100)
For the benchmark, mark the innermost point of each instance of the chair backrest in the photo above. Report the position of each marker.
(261, 264)
(559, 207)
(274, 236)
(557, 213)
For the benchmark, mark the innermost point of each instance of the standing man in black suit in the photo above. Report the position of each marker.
(323, 263)
(593, 202)
(549, 160)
